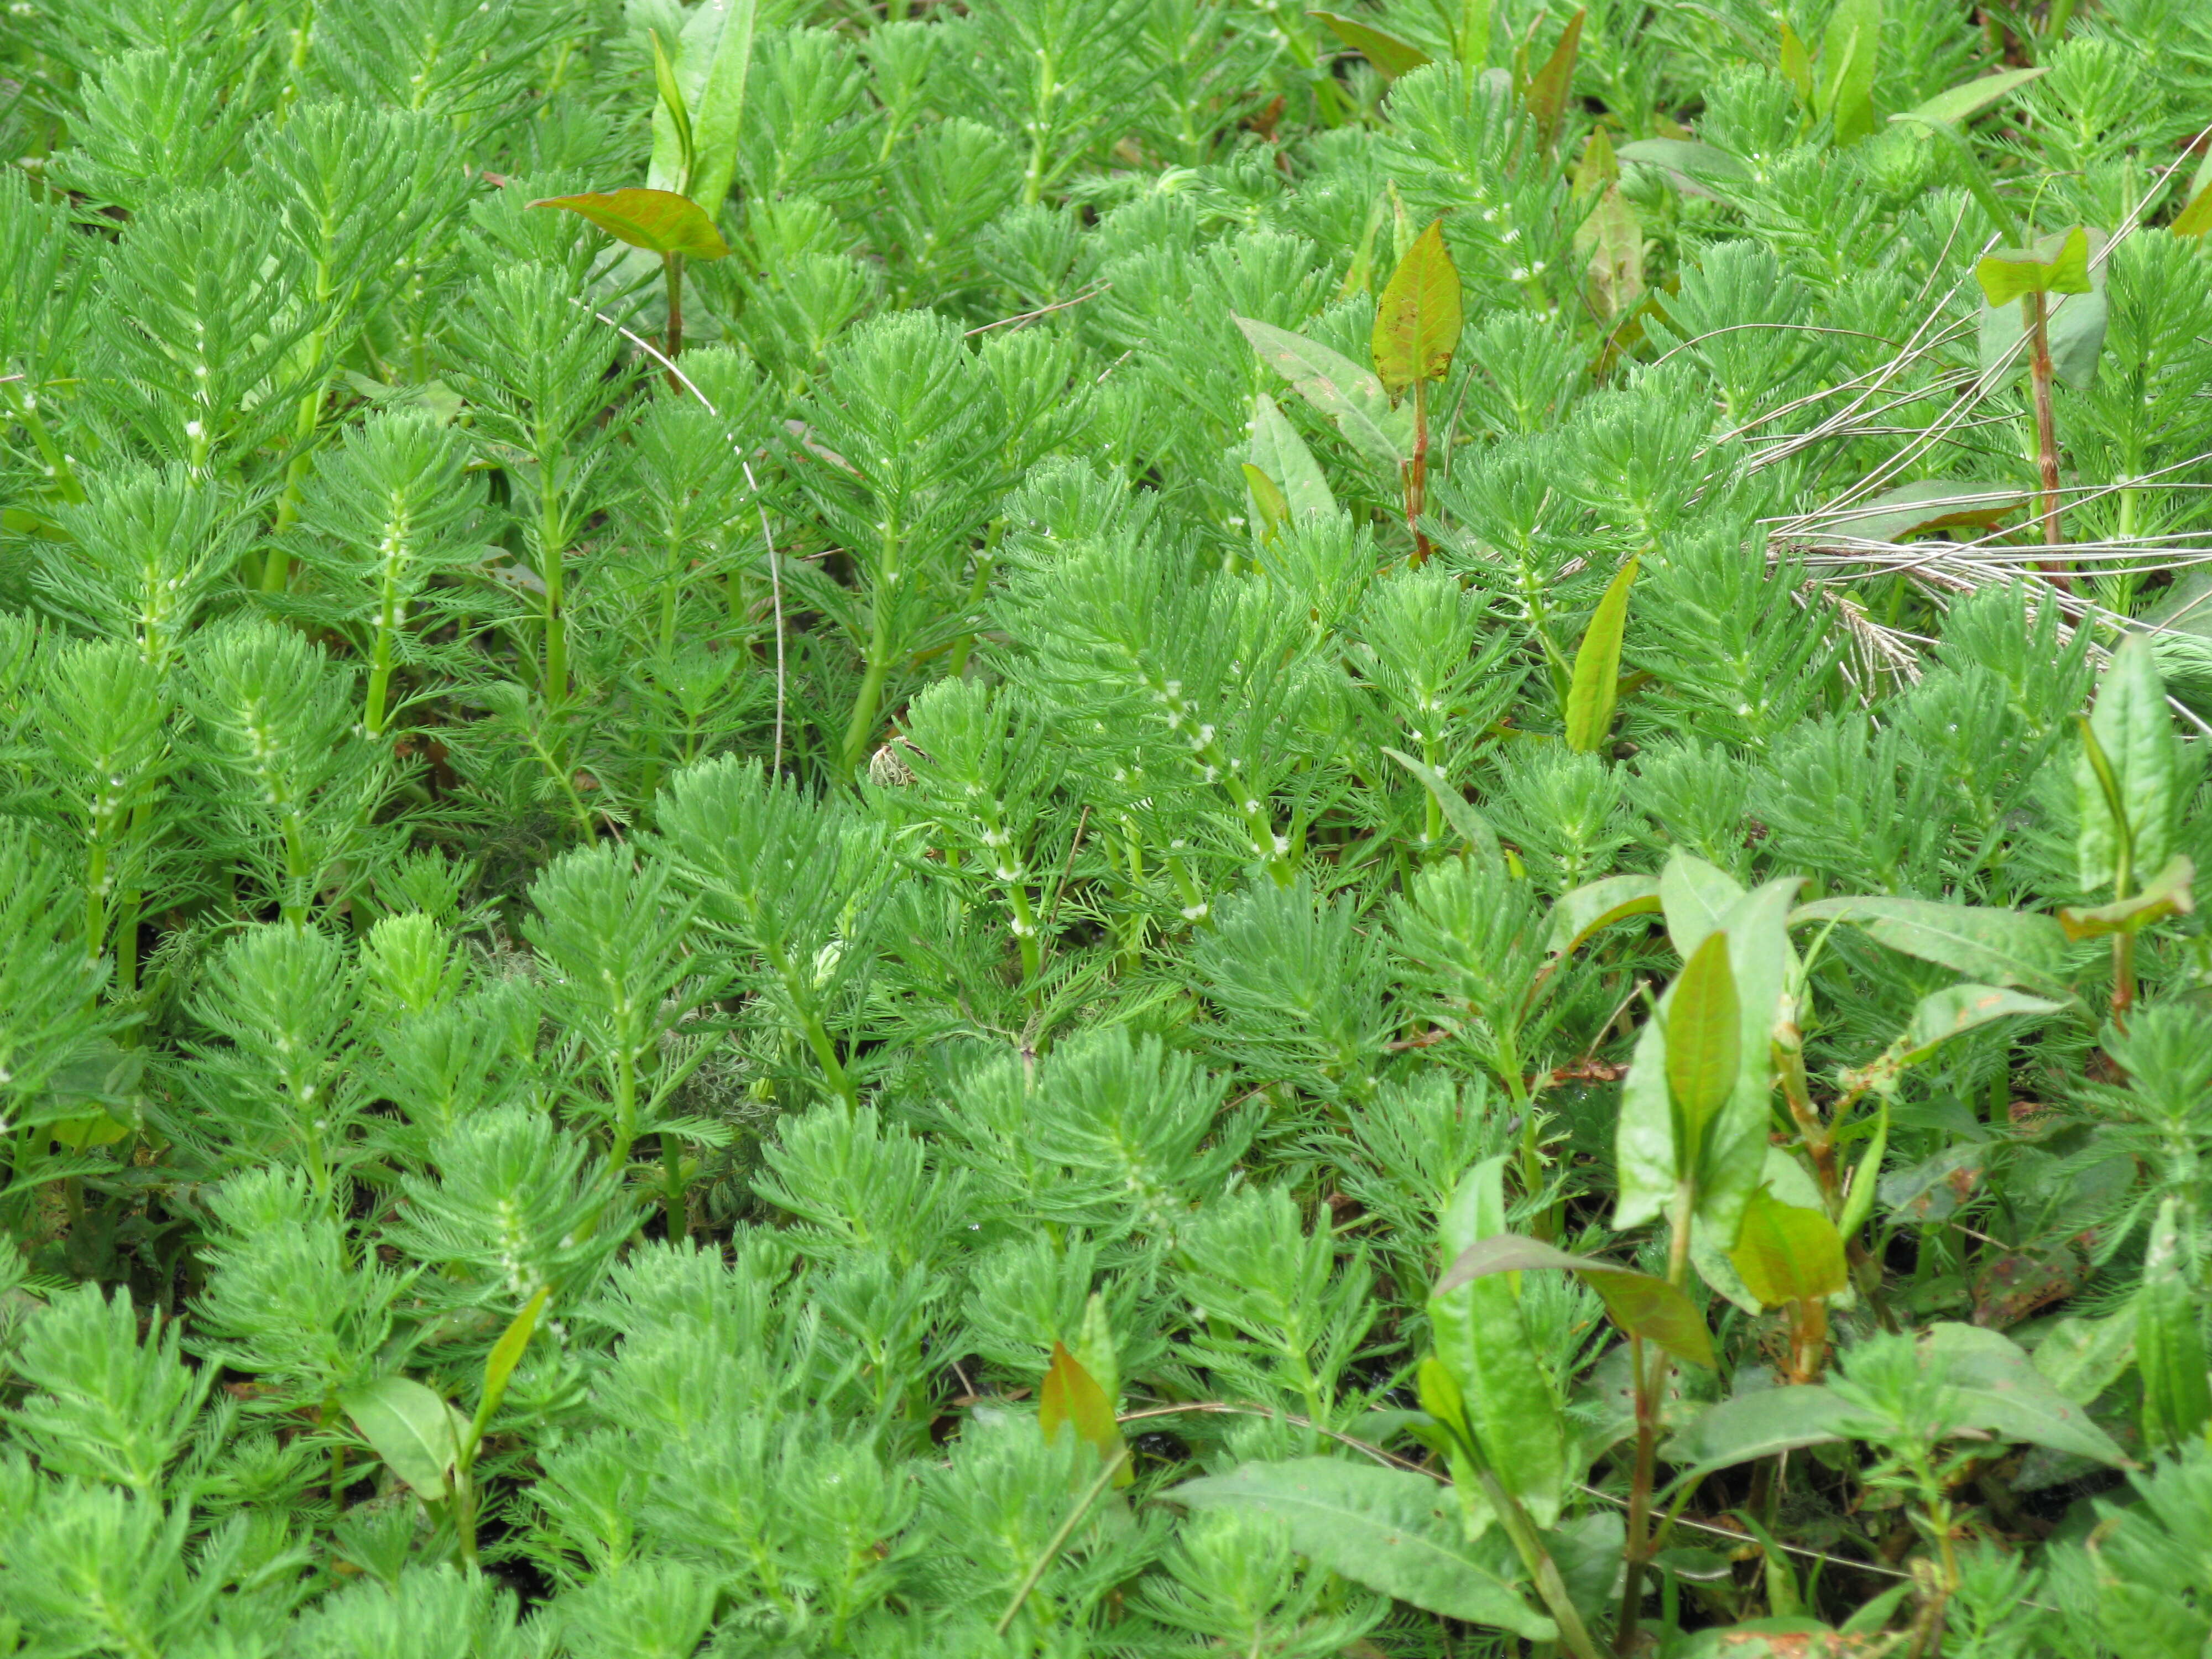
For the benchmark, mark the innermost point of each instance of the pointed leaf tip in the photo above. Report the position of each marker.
(658, 221)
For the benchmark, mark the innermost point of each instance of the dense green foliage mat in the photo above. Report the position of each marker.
(1104, 827)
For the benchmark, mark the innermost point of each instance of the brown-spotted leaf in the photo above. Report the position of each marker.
(1417, 321)
(658, 221)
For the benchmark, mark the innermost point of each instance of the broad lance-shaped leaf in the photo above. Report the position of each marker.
(1417, 320)
(2003, 1395)
(2134, 731)
(1705, 1035)
(2170, 1337)
(1849, 56)
(1639, 1302)
(2074, 324)
(1596, 681)
(1942, 1015)
(1696, 169)
(1549, 86)
(1277, 451)
(1788, 1253)
(1348, 394)
(499, 1363)
(1926, 504)
(1482, 1340)
(1755, 1426)
(2171, 892)
(1696, 897)
(411, 1429)
(1391, 56)
(2005, 947)
(1389, 1530)
(1598, 904)
(2082, 1357)
(1469, 824)
(712, 59)
(1071, 1397)
(2055, 265)
(658, 221)
(1968, 99)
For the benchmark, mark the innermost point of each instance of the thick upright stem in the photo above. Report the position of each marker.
(2046, 432)
(672, 265)
(1417, 473)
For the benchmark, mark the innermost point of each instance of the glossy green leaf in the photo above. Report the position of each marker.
(1595, 684)
(1850, 53)
(2005, 947)
(1482, 1340)
(1961, 103)
(1732, 1150)
(1704, 1032)
(1389, 1530)
(1942, 1015)
(1391, 56)
(2134, 731)
(1598, 904)
(2170, 1351)
(1349, 395)
(411, 1429)
(1754, 1426)
(712, 59)
(1418, 319)
(1696, 897)
(1786, 1253)
(2171, 892)
(672, 106)
(1549, 88)
(1279, 452)
(1639, 1302)
(658, 221)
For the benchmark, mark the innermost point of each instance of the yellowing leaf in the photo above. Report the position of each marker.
(2055, 265)
(411, 1429)
(1786, 1253)
(1797, 62)
(1639, 1302)
(1417, 320)
(658, 221)
(1071, 1397)
(1549, 88)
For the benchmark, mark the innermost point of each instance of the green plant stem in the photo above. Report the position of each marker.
(1528, 1544)
(671, 1192)
(672, 266)
(1417, 473)
(1058, 1540)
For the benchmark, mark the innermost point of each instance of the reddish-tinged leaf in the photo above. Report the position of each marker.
(658, 221)
(1071, 1396)
(1641, 1304)
(1548, 89)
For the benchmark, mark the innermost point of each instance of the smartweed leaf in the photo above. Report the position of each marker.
(1698, 169)
(1546, 96)
(1849, 52)
(712, 59)
(1755, 1426)
(1927, 504)
(2058, 264)
(1390, 1529)
(1797, 64)
(1473, 828)
(1071, 1397)
(1705, 1033)
(1348, 394)
(1598, 904)
(2170, 1351)
(1417, 320)
(2005, 947)
(1942, 1015)
(411, 1429)
(1639, 1302)
(1277, 451)
(2126, 773)
(499, 1363)
(1788, 1253)
(2168, 893)
(1391, 56)
(658, 221)
(1596, 685)
(1963, 102)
